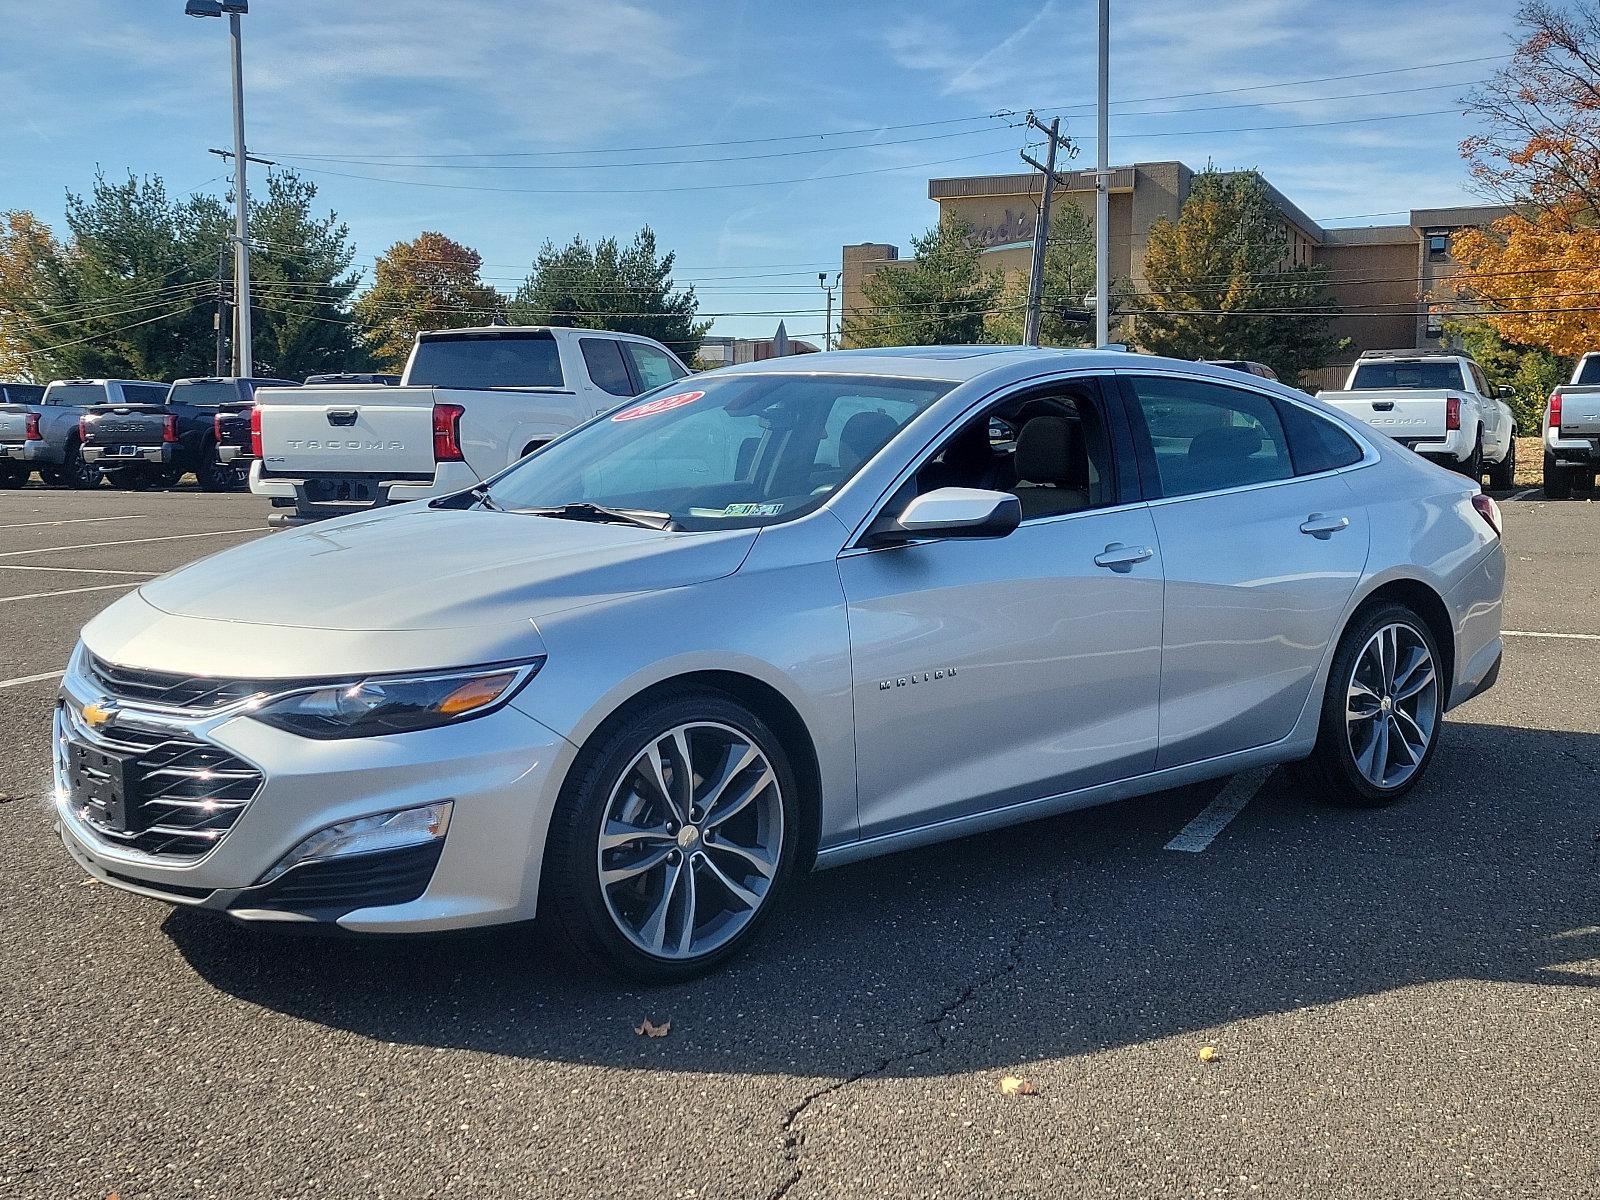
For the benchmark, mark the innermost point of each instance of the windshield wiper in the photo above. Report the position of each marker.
(584, 511)
(481, 495)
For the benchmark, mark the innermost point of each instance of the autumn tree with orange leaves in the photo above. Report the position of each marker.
(1533, 272)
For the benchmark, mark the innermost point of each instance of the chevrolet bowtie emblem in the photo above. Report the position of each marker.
(100, 712)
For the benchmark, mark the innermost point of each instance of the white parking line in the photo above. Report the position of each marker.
(99, 587)
(169, 537)
(76, 570)
(70, 521)
(1576, 637)
(1214, 817)
(22, 679)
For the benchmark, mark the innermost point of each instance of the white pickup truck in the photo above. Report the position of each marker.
(471, 403)
(1439, 405)
(1572, 432)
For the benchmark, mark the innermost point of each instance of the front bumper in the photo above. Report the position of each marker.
(500, 771)
(110, 458)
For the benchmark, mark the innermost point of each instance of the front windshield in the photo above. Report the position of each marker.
(733, 451)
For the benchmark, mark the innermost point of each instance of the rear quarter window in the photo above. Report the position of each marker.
(1316, 443)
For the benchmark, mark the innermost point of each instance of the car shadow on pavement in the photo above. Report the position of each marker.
(1056, 938)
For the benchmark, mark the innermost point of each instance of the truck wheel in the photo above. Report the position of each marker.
(1381, 711)
(1472, 467)
(1503, 474)
(214, 475)
(672, 840)
(76, 473)
(1557, 479)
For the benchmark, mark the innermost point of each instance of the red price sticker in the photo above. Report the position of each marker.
(660, 404)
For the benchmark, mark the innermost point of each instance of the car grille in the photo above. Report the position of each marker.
(194, 692)
(189, 792)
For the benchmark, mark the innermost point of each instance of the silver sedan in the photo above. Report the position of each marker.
(774, 618)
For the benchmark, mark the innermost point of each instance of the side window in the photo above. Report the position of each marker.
(1205, 437)
(603, 358)
(653, 367)
(1316, 443)
(1479, 382)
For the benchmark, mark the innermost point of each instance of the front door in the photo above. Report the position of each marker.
(994, 671)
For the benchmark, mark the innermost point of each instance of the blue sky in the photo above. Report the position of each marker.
(133, 85)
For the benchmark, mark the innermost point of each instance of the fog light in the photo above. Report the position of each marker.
(365, 835)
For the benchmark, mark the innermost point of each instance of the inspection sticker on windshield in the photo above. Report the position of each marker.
(660, 404)
(752, 510)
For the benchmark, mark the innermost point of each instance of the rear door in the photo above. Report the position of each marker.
(361, 430)
(1262, 544)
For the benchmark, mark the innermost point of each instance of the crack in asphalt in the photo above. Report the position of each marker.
(794, 1137)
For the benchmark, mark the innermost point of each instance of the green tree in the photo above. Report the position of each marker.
(1220, 284)
(430, 282)
(610, 286)
(131, 290)
(1068, 278)
(1531, 372)
(942, 296)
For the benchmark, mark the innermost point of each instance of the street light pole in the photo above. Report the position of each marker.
(244, 364)
(827, 324)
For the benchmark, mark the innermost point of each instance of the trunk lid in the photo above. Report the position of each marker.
(362, 430)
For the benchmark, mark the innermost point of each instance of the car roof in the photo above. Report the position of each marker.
(959, 364)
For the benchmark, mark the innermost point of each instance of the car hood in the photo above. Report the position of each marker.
(375, 592)
(425, 568)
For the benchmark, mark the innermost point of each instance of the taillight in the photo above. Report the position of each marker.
(1488, 510)
(255, 433)
(1555, 411)
(447, 432)
(1452, 412)
(169, 428)
(216, 428)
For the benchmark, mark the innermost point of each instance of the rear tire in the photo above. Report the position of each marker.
(712, 880)
(1557, 479)
(1382, 710)
(76, 473)
(13, 476)
(1472, 468)
(1503, 474)
(214, 475)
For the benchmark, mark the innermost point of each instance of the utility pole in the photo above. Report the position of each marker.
(827, 324)
(241, 221)
(1041, 228)
(220, 319)
(1102, 188)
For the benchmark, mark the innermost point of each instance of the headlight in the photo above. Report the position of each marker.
(382, 704)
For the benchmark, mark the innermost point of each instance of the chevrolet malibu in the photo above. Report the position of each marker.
(784, 616)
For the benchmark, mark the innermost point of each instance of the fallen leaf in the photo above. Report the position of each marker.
(648, 1029)
(1207, 1053)
(89, 882)
(1011, 1085)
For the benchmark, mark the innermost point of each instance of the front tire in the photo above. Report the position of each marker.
(1382, 710)
(1503, 474)
(672, 840)
(1557, 479)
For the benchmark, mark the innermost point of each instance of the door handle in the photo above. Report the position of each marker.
(342, 416)
(1118, 557)
(1320, 525)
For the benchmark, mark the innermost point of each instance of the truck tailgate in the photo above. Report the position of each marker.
(359, 430)
(1580, 411)
(14, 422)
(126, 424)
(1403, 414)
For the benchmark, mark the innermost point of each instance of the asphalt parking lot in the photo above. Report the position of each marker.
(1402, 1003)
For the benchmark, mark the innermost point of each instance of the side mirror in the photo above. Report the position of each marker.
(952, 512)
(1505, 392)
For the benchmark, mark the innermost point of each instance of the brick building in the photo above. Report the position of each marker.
(1374, 269)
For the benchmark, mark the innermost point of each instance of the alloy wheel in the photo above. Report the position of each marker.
(1392, 705)
(691, 840)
